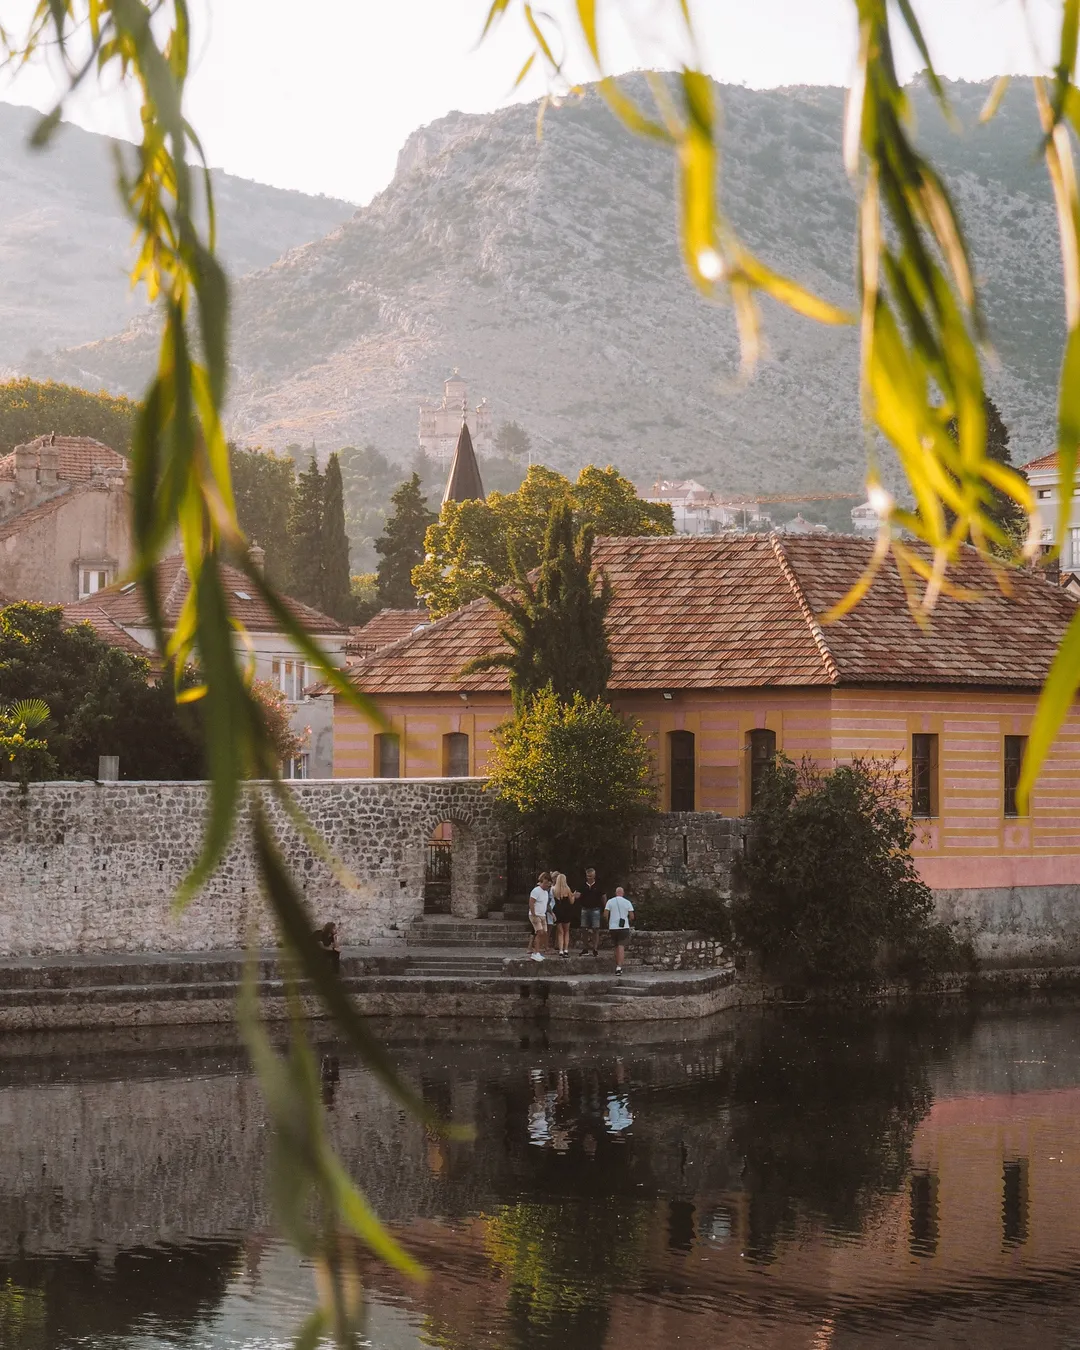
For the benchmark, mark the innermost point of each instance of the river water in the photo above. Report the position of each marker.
(791, 1180)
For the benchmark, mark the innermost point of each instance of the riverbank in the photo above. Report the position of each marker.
(410, 981)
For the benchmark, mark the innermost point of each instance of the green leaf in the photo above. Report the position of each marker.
(1055, 703)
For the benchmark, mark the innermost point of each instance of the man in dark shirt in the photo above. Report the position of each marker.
(591, 900)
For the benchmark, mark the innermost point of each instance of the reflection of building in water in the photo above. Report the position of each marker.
(440, 423)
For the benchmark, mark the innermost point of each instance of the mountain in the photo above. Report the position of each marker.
(548, 271)
(65, 242)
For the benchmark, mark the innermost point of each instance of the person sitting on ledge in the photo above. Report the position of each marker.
(327, 939)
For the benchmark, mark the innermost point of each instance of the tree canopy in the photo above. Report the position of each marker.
(554, 629)
(30, 408)
(1003, 510)
(470, 550)
(401, 547)
(265, 485)
(337, 598)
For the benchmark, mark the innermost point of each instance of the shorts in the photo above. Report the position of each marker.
(590, 918)
(620, 935)
(539, 922)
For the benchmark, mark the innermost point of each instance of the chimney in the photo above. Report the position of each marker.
(49, 464)
(257, 556)
(26, 463)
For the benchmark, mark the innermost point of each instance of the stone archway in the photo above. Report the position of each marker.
(468, 895)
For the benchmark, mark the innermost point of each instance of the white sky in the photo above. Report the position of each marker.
(320, 94)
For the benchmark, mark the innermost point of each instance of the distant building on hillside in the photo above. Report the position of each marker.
(65, 522)
(800, 525)
(865, 519)
(698, 510)
(1043, 474)
(440, 423)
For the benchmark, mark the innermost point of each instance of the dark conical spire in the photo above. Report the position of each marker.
(464, 483)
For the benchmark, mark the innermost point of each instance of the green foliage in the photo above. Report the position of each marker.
(30, 408)
(692, 908)
(277, 717)
(99, 698)
(829, 893)
(22, 756)
(512, 441)
(473, 546)
(265, 484)
(365, 596)
(306, 532)
(574, 775)
(555, 629)
(1003, 509)
(334, 547)
(368, 480)
(401, 547)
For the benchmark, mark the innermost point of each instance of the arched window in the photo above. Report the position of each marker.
(388, 755)
(762, 747)
(455, 749)
(681, 767)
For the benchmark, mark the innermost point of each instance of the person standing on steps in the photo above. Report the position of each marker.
(592, 898)
(538, 907)
(620, 912)
(565, 901)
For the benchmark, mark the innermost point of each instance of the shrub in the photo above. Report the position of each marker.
(575, 776)
(828, 893)
(702, 910)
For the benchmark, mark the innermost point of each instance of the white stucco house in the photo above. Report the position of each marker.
(119, 611)
(1043, 476)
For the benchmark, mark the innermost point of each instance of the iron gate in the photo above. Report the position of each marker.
(522, 866)
(438, 870)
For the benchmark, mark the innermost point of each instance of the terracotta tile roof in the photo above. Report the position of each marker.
(109, 631)
(77, 459)
(124, 603)
(1045, 462)
(389, 625)
(740, 612)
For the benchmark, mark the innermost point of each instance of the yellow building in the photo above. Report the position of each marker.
(718, 653)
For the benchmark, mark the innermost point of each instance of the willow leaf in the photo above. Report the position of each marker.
(1055, 703)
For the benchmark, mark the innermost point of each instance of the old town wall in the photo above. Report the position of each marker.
(95, 867)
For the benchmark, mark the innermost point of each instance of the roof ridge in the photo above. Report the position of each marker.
(827, 658)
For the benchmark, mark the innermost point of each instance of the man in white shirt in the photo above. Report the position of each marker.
(539, 898)
(620, 916)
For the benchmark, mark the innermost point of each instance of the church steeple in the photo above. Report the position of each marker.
(464, 483)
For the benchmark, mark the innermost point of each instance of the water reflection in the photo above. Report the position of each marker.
(796, 1180)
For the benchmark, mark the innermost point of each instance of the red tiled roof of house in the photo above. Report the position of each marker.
(78, 458)
(106, 627)
(125, 605)
(742, 612)
(1044, 462)
(17, 523)
(389, 625)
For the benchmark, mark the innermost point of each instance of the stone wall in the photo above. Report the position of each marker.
(94, 867)
(676, 951)
(677, 849)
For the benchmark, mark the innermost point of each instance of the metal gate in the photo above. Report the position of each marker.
(438, 870)
(522, 866)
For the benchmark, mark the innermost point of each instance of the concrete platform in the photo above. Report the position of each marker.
(391, 980)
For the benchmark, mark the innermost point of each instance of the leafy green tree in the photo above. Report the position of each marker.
(30, 408)
(265, 487)
(469, 550)
(306, 537)
(22, 755)
(401, 548)
(337, 598)
(365, 596)
(100, 699)
(1003, 510)
(574, 775)
(368, 480)
(554, 629)
(829, 893)
(512, 441)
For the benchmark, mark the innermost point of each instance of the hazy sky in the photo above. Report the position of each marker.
(320, 94)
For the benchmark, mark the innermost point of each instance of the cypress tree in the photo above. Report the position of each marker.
(401, 548)
(337, 598)
(305, 530)
(555, 630)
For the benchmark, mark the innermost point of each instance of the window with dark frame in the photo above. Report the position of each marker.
(455, 755)
(762, 747)
(924, 772)
(681, 766)
(388, 754)
(1014, 762)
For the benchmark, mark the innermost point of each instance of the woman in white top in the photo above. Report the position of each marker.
(538, 907)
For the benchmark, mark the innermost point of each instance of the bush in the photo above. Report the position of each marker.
(700, 910)
(575, 777)
(828, 893)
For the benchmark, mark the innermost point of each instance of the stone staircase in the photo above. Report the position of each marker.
(439, 930)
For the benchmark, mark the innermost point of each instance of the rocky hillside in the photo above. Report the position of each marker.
(65, 241)
(548, 272)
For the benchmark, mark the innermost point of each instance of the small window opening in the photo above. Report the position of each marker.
(762, 745)
(1015, 747)
(924, 775)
